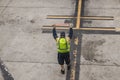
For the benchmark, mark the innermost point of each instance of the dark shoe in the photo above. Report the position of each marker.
(62, 71)
(68, 67)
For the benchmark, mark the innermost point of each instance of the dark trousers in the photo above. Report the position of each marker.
(64, 57)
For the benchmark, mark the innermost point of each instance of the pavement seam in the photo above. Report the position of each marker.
(37, 7)
(117, 65)
(100, 65)
(30, 62)
(102, 8)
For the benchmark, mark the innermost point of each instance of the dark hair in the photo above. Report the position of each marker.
(62, 34)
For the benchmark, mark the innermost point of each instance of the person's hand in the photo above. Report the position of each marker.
(71, 25)
(54, 26)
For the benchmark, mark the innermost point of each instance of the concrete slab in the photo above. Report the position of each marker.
(103, 8)
(102, 12)
(99, 23)
(100, 49)
(1, 77)
(43, 3)
(30, 48)
(4, 2)
(1, 8)
(25, 50)
(31, 55)
(24, 29)
(99, 72)
(102, 4)
(35, 71)
(33, 16)
(100, 52)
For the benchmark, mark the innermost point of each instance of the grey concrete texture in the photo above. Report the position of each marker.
(103, 8)
(106, 4)
(22, 27)
(99, 23)
(1, 77)
(4, 2)
(35, 71)
(100, 57)
(31, 55)
(27, 52)
(99, 72)
(100, 52)
(43, 3)
(100, 49)
(103, 12)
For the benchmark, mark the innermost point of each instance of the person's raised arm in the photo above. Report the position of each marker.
(70, 33)
(54, 33)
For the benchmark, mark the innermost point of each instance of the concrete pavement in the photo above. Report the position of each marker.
(26, 51)
(100, 52)
(31, 55)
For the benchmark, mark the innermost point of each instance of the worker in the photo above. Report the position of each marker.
(63, 47)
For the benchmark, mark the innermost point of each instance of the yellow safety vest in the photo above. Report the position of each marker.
(63, 45)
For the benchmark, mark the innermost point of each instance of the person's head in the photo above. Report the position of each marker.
(62, 34)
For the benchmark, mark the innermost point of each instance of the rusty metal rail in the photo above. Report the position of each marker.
(116, 29)
(82, 17)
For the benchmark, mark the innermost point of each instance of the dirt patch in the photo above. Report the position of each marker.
(32, 21)
(89, 49)
(2, 23)
(11, 21)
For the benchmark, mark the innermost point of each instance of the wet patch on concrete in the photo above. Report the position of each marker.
(89, 50)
